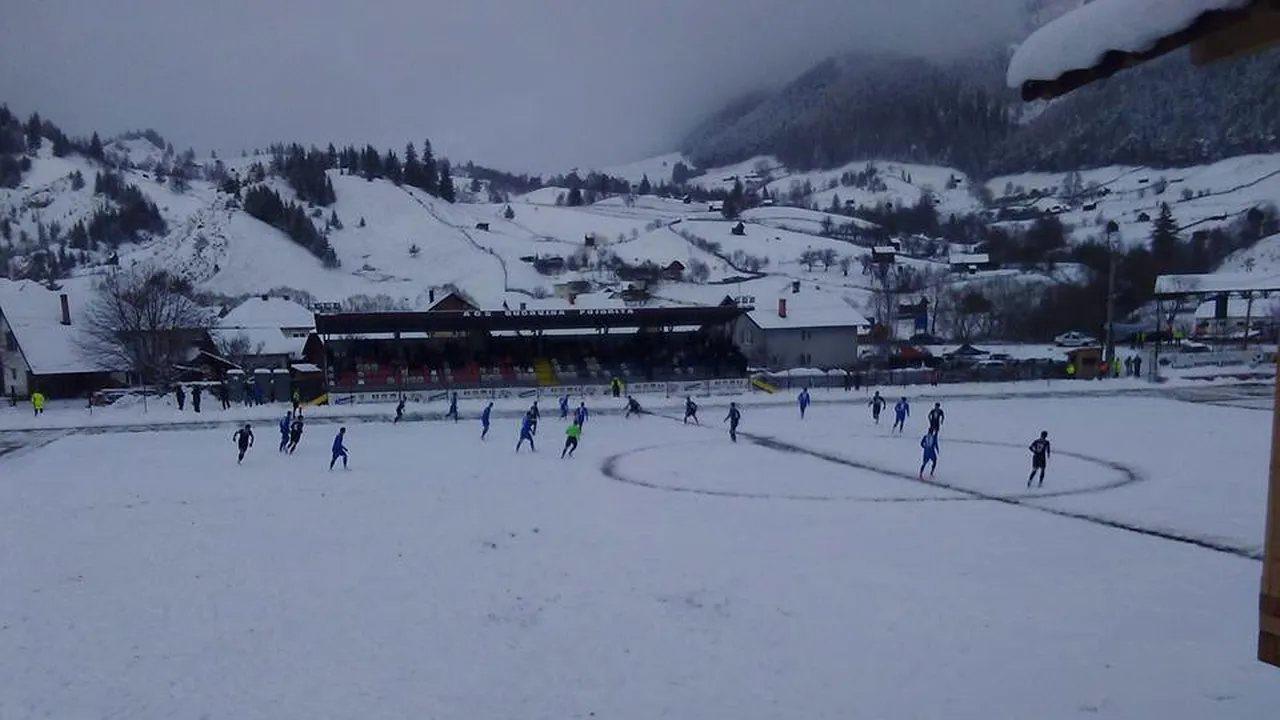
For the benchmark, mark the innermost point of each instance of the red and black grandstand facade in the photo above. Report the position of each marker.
(468, 348)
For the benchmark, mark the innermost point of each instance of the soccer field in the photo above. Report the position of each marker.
(803, 572)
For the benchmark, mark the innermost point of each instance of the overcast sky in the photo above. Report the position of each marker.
(536, 85)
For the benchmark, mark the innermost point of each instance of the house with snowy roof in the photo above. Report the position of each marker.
(800, 326)
(267, 332)
(44, 344)
(971, 262)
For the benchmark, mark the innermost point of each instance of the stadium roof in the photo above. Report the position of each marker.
(1105, 37)
(505, 320)
(1216, 284)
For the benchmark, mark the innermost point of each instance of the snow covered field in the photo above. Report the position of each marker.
(663, 572)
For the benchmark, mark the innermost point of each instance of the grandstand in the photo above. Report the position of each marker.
(467, 349)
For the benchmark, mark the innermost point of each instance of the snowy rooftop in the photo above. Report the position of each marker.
(1217, 283)
(265, 340)
(34, 314)
(809, 308)
(1237, 308)
(269, 313)
(1082, 39)
(271, 326)
(969, 258)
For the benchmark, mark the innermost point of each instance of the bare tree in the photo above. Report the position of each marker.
(374, 303)
(144, 318)
(699, 271)
(237, 348)
(827, 257)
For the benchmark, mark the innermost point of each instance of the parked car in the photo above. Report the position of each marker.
(1075, 339)
(925, 339)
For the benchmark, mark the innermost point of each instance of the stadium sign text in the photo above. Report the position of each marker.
(546, 313)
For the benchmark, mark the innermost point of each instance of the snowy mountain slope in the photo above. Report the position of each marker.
(904, 183)
(401, 242)
(46, 194)
(1200, 198)
(657, 169)
(1263, 258)
(223, 250)
(799, 219)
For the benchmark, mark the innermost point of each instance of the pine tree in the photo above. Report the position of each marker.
(446, 190)
(1164, 239)
(32, 130)
(732, 206)
(391, 166)
(412, 167)
(680, 174)
(645, 186)
(430, 173)
(61, 145)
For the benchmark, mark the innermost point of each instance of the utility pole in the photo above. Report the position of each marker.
(1109, 350)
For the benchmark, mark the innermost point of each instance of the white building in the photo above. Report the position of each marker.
(271, 331)
(968, 262)
(800, 326)
(1227, 318)
(43, 345)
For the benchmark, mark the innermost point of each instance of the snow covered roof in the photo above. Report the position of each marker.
(969, 258)
(1104, 37)
(1167, 285)
(34, 315)
(809, 308)
(1237, 308)
(272, 326)
(269, 313)
(265, 340)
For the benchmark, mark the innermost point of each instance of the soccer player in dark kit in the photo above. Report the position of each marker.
(244, 440)
(1040, 452)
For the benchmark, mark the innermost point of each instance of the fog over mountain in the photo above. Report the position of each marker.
(531, 86)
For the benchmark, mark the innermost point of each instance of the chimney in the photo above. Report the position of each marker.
(66, 309)
(572, 298)
(795, 286)
(782, 307)
(431, 295)
(524, 306)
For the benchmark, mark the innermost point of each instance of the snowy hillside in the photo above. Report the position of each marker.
(1201, 198)
(657, 169)
(1263, 258)
(402, 243)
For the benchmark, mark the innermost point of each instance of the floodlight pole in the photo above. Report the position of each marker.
(1269, 597)
(1109, 350)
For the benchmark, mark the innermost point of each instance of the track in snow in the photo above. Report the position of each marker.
(609, 468)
